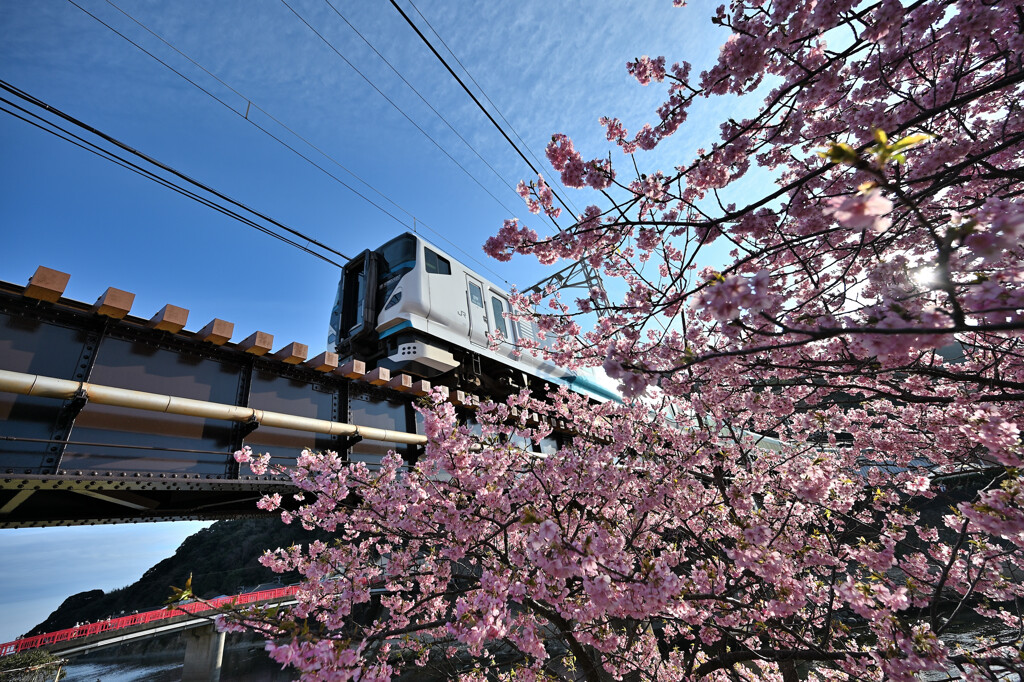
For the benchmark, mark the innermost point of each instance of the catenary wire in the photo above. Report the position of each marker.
(418, 94)
(475, 100)
(395, 105)
(244, 115)
(24, 96)
(484, 93)
(71, 119)
(249, 102)
(80, 142)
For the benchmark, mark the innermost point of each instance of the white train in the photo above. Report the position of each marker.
(411, 307)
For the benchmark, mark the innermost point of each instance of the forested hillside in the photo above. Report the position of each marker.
(222, 560)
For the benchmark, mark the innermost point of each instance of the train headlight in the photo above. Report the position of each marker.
(394, 300)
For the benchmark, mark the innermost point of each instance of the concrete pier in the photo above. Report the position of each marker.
(204, 652)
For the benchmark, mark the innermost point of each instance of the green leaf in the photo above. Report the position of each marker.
(840, 152)
(911, 140)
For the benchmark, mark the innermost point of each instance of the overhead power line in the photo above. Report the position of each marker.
(252, 105)
(479, 87)
(418, 94)
(244, 115)
(80, 142)
(395, 105)
(476, 101)
(63, 133)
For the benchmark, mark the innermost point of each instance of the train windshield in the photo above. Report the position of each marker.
(366, 283)
(397, 254)
(396, 258)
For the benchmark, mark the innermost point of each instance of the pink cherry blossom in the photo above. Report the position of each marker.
(815, 466)
(862, 211)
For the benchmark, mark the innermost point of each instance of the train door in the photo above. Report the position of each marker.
(478, 328)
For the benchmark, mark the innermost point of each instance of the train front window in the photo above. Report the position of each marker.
(397, 254)
(397, 258)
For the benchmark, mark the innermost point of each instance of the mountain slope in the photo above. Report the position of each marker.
(222, 559)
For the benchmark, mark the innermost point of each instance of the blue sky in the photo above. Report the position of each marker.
(549, 67)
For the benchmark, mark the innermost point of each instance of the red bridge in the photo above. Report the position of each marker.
(61, 637)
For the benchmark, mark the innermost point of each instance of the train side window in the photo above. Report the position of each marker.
(548, 445)
(437, 265)
(499, 319)
(475, 295)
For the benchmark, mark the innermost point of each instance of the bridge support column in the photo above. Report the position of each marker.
(204, 651)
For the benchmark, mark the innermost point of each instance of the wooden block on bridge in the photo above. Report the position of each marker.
(258, 343)
(325, 362)
(464, 399)
(170, 318)
(402, 382)
(114, 303)
(353, 369)
(420, 388)
(47, 284)
(379, 376)
(293, 353)
(218, 332)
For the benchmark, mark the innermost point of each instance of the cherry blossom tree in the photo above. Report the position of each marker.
(867, 317)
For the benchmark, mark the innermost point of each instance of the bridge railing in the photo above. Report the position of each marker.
(121, 622)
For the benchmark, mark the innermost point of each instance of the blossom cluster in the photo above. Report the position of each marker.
(817, 461)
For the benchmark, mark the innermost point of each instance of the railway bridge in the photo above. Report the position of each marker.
(107, 416)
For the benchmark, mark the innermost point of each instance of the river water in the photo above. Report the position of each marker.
(241, 664)
(249, 662)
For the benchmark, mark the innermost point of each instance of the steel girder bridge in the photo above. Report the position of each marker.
(106, 417)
